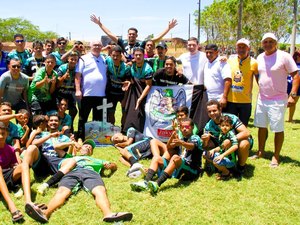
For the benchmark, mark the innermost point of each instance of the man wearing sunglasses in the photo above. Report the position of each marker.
(14, 86)
(20, 52)
(61, 44)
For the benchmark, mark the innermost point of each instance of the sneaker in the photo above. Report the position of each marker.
(135, 174)
(139, 186)
(42, 189)
(153, 186)
(134, 167)
(19, 193)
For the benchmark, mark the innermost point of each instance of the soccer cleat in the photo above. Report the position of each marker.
(139, 186)
(42, 189)
(153, 186)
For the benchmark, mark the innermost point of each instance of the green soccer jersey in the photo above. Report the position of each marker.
(41, 94)
(87, 162)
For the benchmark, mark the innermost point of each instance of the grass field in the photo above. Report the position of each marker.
(263, 196)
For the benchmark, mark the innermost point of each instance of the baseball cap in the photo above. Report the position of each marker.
(269, 35)
(90, 142)
(243, 41)
(162, 44)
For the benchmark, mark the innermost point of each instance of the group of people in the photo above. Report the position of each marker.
(40, 85)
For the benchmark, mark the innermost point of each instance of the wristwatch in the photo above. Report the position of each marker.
(293, 94)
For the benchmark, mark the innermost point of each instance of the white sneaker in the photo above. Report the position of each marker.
(135, 174)
(19, 193)
(134, 167)
(42, 189)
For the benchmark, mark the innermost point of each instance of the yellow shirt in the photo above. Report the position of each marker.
(242, 79)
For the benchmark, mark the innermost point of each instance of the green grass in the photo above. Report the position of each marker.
(263, 196)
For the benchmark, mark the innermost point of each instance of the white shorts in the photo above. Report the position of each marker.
(270, 112)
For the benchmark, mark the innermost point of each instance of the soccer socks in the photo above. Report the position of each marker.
(55, 178)
(162, 178)
(149, 175)
(132, 160)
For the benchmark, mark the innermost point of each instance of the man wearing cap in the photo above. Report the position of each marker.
(274, 66)
(159, 62)
(44, 155)
(68, 163)
(243, 69)
(87, 174)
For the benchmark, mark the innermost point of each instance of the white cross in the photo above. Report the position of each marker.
(104, 107)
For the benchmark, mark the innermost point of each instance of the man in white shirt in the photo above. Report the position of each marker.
(217, 76)
(90, 83)
(193, 62)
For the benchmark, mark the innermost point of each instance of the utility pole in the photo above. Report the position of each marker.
(239, 30)
(294, 31)
(189, 25)
(199, 14)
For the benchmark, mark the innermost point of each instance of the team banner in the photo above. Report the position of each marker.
(161, 106)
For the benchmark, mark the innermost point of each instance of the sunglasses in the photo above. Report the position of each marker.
(19, 41)
(16, 66)
(61, 43)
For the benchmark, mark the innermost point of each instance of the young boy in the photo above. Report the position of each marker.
(181, 113)
(23, 128)
(42, 88)
(39, 125)
(185, 165)
(10, 172)
(224, 159)
(12, 138)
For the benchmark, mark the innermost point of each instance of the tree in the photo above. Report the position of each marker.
(11, 26)
(220, 20)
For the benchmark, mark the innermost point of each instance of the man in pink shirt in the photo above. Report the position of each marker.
(273, 66)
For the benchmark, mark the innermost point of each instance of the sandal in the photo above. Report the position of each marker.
(41, 206)
(17, 216)
(119, 216)
(35, 213)
(224, 176)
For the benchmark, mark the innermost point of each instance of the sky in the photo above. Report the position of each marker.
(149, 17)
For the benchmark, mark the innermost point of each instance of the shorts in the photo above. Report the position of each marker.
(184, 172)
(8, 178)
(224, 162)
(41, 108)
(88, 179)
(241, 110)
(46, 165)
(141, 149)
(270, 112)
